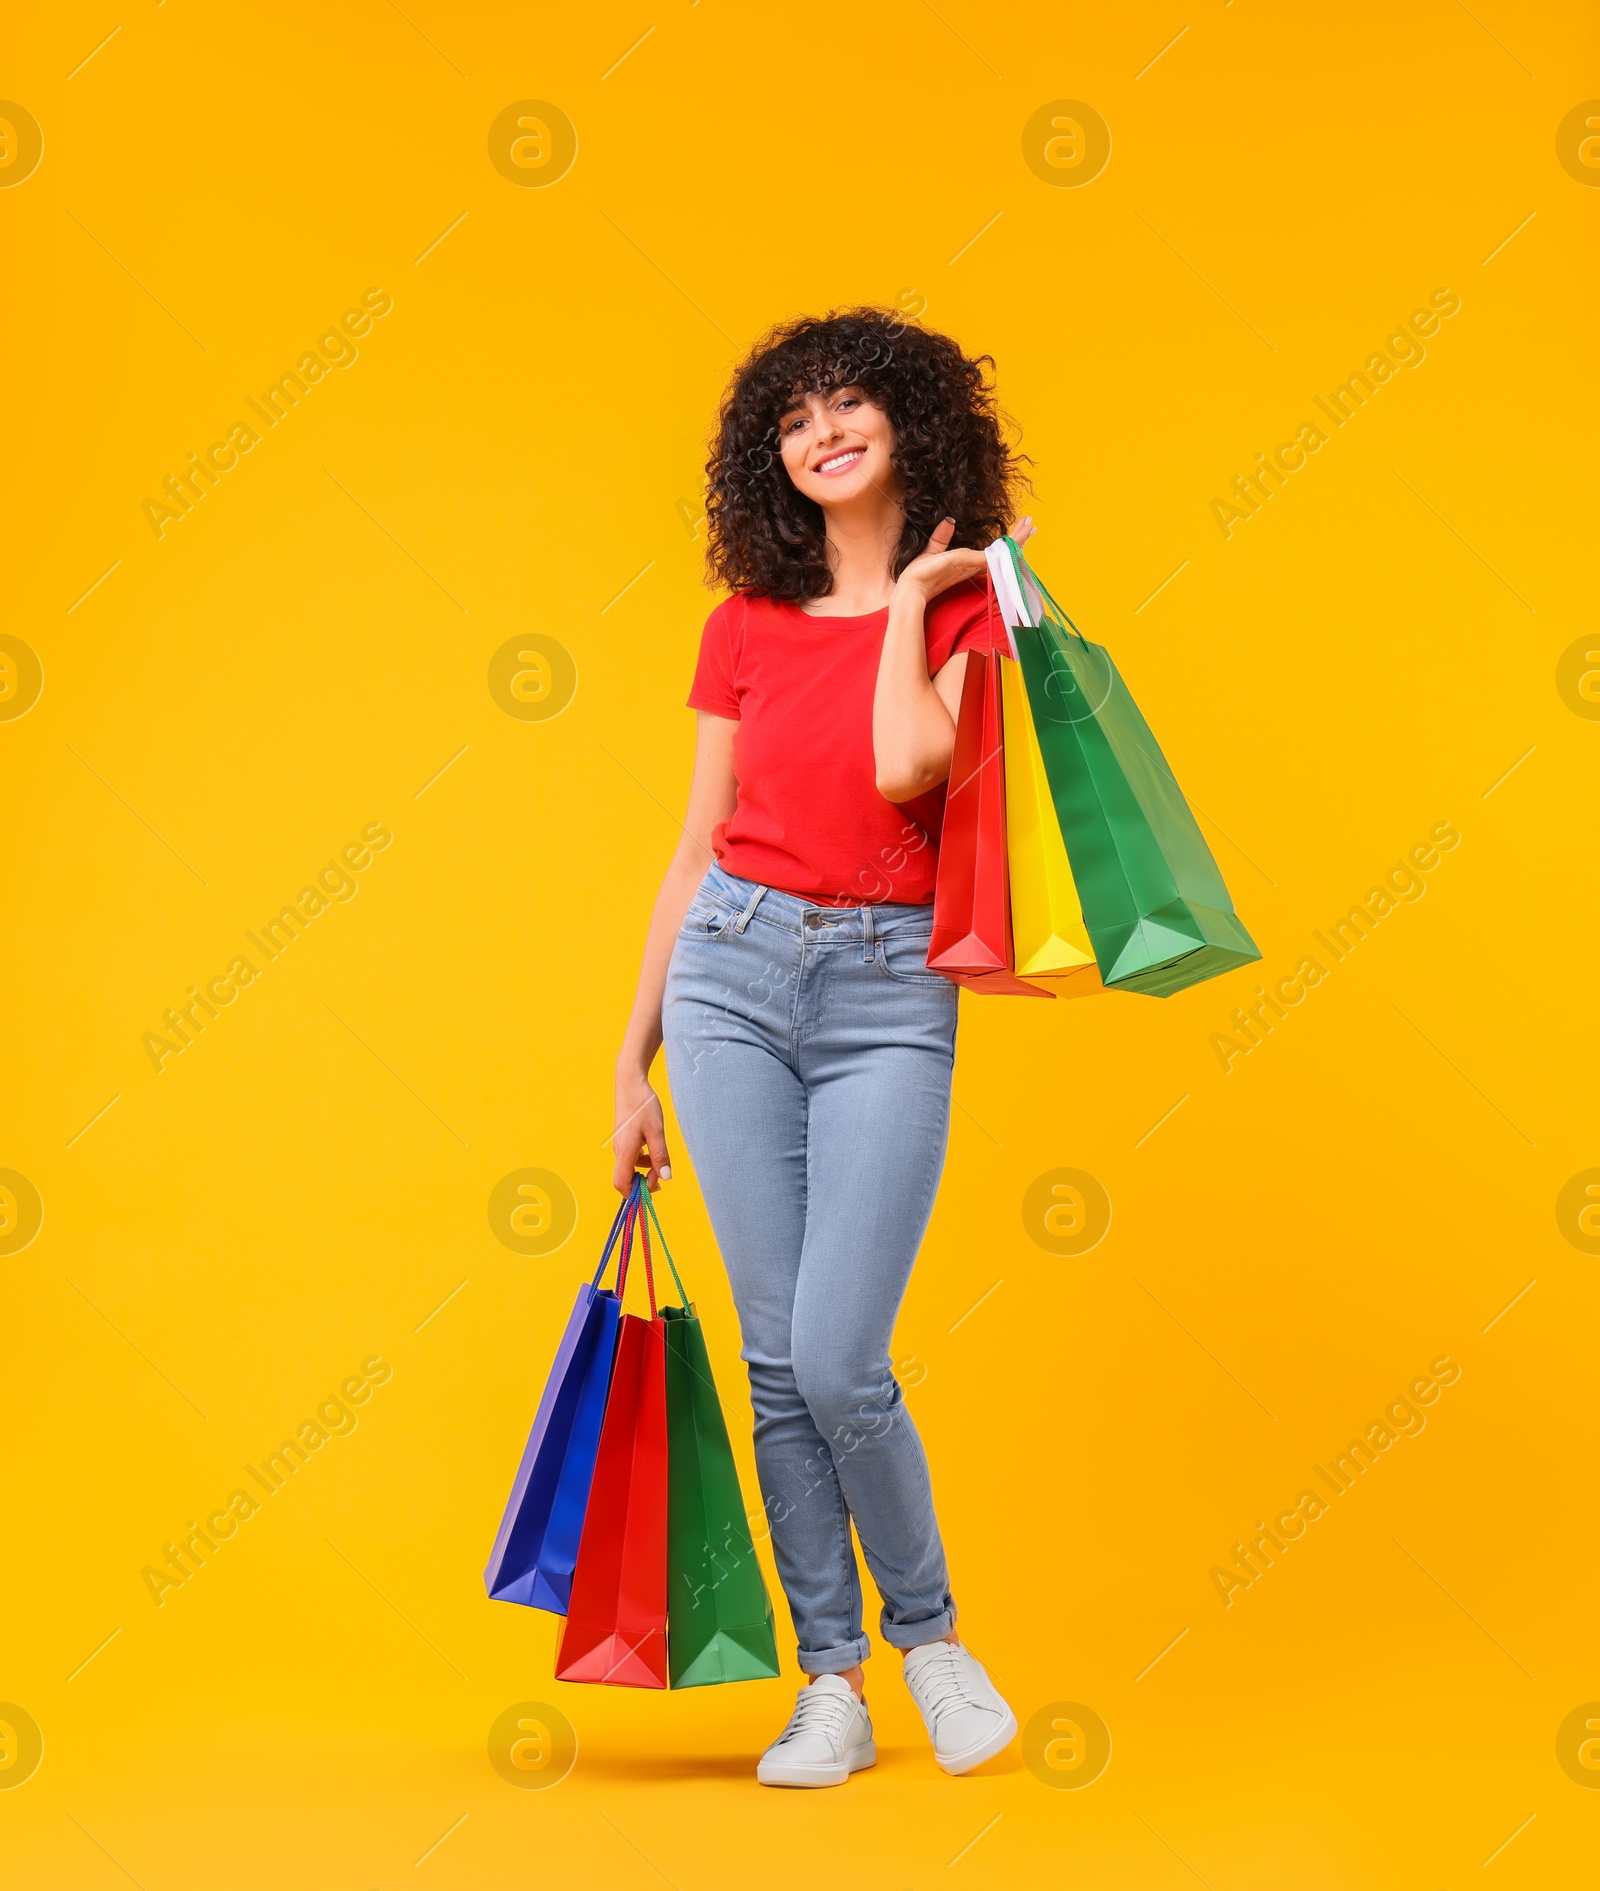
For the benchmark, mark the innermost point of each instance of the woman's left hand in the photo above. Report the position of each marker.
(937, 567)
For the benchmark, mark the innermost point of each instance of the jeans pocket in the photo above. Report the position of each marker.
(705, 919)
(903, 956)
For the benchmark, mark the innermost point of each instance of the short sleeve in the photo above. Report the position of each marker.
(714, 687)
(958, 619)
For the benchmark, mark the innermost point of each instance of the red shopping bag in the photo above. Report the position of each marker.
(972, 896)
(616, 1625)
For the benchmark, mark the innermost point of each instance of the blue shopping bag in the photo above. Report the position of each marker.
(537, 1547)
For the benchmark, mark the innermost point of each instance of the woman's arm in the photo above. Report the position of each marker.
(913, 714)
(640, 1136)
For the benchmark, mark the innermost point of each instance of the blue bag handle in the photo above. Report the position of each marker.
(628, 1207)
(631, 1216)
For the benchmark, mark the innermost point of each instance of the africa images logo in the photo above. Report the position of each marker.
(185, 489)
(183, 1024)
(191, 1550)
(1253, 1555)
(1405, 350)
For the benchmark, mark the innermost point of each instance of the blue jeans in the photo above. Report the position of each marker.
(809, 1051)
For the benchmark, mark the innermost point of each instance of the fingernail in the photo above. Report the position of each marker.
(666, 1173)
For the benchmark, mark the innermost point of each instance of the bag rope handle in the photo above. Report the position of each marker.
(611, 1238)
(650, 1208)
(640, 1222)
(630, 1220)
(628, 1226)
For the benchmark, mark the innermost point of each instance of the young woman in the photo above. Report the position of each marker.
(858, 469)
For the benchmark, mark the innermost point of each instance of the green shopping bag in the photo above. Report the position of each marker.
(719, 1618)
(1158, 914)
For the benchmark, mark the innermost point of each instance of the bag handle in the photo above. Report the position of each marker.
(625, 1253)
(616, 1229)
(1022, 565)
(650, 1208)
(643, 1225)
(1002, 638)
(635, 1217)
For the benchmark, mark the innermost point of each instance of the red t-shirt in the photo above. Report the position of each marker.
(809, 819)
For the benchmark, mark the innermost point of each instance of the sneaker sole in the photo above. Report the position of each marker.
(788, 1773)
(984, 1750)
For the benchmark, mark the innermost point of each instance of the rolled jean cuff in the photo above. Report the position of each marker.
(838, 1660)
(904, 1635)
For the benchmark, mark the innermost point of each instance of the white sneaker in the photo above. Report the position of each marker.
(966, 1718)
(829, 1737)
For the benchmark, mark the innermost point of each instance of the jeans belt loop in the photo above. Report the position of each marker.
(749, 912)
(869, 949)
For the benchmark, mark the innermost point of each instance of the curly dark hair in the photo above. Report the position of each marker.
(765, 536)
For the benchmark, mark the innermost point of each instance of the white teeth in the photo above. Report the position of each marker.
(843, 459)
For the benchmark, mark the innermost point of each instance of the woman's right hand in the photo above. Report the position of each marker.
(640, 1138)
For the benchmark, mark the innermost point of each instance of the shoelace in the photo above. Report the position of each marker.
(943, 1684)
(830, 1712)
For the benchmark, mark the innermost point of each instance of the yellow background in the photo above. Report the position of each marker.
(520, 438)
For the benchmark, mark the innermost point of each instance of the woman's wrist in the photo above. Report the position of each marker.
(633, 1073)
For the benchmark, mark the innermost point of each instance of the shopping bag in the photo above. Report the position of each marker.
(719, 1617)
(972, 898)
(1049, 938)
(616, 1625)
(537, 1546)
(1153, 901)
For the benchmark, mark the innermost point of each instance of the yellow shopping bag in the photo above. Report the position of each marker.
(1050, 939)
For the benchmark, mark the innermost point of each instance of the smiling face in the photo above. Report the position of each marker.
(838, 449)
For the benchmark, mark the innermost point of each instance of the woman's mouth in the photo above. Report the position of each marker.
(840, 463)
